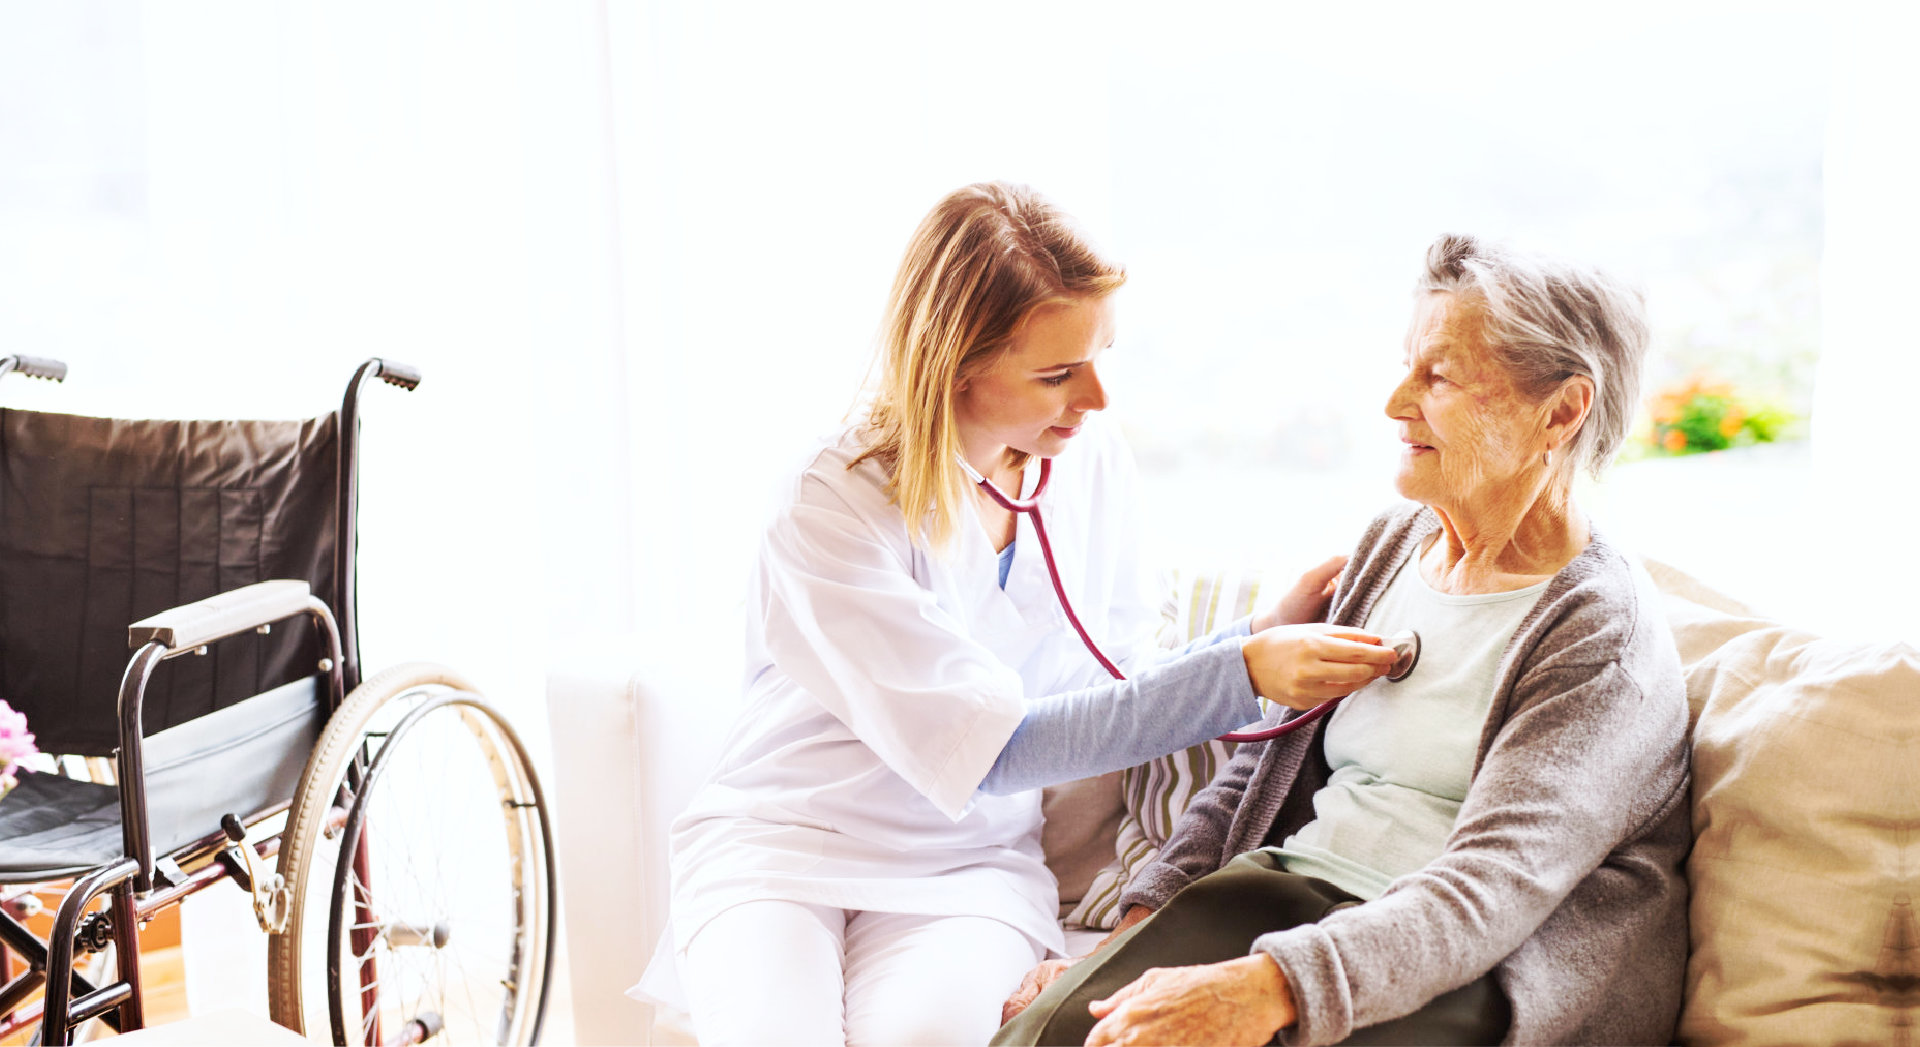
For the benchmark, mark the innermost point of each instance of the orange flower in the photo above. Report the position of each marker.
(1698, 385)
(1731, 425)
(1674, 441)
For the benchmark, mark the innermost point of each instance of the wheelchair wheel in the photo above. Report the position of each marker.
(418, 855)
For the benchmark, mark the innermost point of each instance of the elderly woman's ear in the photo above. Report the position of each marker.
(1567, 410)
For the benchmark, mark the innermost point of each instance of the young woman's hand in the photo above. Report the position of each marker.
(1301, 666)
(1308, 599)
(1241, 1001)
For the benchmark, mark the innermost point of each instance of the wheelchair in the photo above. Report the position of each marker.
(412, 895)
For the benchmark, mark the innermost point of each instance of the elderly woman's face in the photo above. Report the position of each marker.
(1467, 429)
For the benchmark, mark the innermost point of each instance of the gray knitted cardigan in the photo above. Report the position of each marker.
(1563, 871)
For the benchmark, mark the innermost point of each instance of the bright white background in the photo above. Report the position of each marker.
(640, 251)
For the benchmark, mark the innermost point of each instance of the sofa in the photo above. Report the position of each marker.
(1806, 811)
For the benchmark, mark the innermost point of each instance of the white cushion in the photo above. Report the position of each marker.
(226, 1026)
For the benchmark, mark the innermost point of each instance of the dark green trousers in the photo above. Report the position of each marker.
(1217, 918)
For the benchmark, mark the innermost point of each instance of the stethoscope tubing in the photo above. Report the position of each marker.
(1031, 507)
(1267, 734)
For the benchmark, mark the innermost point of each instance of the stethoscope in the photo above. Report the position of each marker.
(1406, 645)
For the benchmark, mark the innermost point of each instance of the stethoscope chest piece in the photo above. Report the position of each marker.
(1406, 650)
(1406, 646)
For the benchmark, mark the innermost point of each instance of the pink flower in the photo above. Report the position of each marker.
(15, 742)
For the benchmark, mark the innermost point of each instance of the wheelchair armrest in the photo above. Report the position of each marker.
(222, 615)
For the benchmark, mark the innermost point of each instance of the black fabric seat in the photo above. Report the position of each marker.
(57, 827)
(104, 521)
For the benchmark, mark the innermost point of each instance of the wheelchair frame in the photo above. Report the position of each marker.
(138, 884)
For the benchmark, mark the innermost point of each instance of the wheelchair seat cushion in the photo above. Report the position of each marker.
(53, 827)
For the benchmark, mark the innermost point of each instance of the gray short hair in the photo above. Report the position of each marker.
(1545, 321)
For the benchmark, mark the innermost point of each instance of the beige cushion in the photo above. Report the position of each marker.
(1806, 814)
(1082, 819)
(1158, 791)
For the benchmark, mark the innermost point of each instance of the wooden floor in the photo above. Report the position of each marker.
(163, 976)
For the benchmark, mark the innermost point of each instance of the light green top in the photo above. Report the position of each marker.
(1402, 753)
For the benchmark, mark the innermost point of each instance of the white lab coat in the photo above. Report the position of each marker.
(883, 681)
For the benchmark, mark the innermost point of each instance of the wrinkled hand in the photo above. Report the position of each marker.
(1308, 599)
(1134, 914)
(1241, 1001)
(1301, 666)
(1040, 977)
(1033, 985)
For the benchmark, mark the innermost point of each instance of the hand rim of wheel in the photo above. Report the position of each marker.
(331, 765)
(356, 816)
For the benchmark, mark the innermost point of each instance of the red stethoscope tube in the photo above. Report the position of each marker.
(1031, 507)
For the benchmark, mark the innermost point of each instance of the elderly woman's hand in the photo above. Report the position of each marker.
(1308, 599)
(1243, 1001)
(1033, 985)
(1301, 666)
(1048, 971)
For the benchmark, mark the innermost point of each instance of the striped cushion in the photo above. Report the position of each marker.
(1157, 792)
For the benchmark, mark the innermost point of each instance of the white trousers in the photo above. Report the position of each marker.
(773, 972)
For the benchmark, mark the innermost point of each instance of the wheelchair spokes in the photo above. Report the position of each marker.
(435, 886)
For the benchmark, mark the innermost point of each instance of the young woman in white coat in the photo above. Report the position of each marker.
(864, 865)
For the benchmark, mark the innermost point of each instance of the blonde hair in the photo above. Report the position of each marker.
(980, 263)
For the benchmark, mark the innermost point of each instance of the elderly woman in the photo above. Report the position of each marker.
(1487, 850)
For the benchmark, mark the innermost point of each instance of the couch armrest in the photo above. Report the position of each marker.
(631, 747)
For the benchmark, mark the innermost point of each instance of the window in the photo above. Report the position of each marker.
(1271, 179)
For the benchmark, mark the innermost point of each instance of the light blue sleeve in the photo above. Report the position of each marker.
(1199, 695)
(1239, 629)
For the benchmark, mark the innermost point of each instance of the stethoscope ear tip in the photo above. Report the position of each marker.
(1406, 646)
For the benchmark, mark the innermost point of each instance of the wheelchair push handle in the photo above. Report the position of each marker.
(35, 367)
(397, 374)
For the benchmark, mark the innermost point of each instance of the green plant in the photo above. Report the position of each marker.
(1701, 415)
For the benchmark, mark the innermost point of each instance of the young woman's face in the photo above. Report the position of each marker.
(1033, 396)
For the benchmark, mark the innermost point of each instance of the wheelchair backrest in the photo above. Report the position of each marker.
(105, 521)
